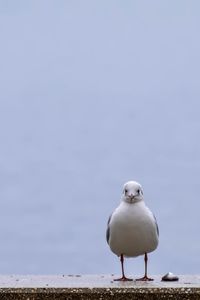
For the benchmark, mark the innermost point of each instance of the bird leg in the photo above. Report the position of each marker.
(145, 277)
(123, 278)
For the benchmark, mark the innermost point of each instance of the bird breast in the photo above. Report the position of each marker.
(132, 230)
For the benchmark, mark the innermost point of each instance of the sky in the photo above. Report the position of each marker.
(93, 94)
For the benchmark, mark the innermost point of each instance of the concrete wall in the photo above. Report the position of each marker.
(95, 287)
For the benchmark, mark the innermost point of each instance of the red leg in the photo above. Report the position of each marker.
(123, 278)
(145, 277)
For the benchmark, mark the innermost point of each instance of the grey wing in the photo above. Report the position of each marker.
(108, 229)
(157, 229)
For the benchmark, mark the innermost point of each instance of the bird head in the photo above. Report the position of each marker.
(132, 192)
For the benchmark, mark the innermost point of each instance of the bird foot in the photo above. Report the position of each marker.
(145, 278)
(123, 278)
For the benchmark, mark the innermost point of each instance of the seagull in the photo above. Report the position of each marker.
(132, 229)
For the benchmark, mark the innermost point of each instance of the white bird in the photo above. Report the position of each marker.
(132, 229)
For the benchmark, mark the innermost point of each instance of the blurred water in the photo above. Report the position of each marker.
(60, 182)
(83, 109)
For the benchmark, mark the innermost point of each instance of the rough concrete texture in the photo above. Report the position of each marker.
(95, 287)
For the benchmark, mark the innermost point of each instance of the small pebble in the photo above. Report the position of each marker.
(170, 277)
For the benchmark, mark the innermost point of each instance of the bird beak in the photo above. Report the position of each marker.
(131, 196)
